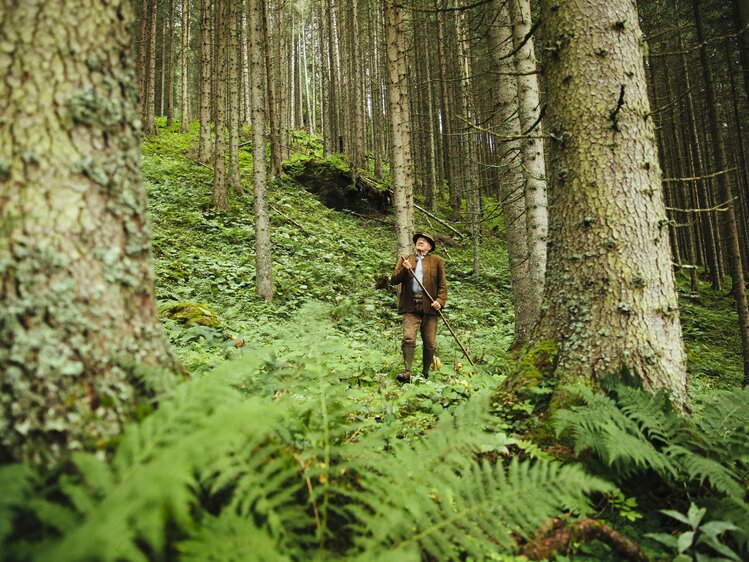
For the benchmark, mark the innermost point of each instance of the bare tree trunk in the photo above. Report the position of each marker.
(511, 179)
(234, 73)
(532, 149)
(79, 306)
(149, 120)
(607, 222)
(170, 68)
(219, 153)
(185, 121)
(206, 34)
(446, 117)
(263, 263)
(400, 129)
(272, 101)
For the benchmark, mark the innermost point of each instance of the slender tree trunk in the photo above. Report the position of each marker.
(610, 306)
(149, 121)
(446, 117)
(400, 129)
(185, 121)
(206, 34)
(272, 101)
(532, 149)
(219, 153)
(263, 263)
(234, 73)
(76, 284)
(170, 68)
(511, 179)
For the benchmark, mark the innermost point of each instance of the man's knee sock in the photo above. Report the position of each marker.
(408, 356)
(427, 355)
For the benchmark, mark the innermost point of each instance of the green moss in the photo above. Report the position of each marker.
(191, 313)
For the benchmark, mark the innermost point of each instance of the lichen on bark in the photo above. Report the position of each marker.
(75, 265)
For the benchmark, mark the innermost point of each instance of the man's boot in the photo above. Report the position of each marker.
(427, 355)
(408, 357)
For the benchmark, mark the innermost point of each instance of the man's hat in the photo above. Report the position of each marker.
(426, 235)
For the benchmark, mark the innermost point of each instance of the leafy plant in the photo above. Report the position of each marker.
(699, 534)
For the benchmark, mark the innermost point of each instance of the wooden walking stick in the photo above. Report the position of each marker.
(439, 311)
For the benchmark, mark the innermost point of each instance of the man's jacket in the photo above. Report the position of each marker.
(434, 282)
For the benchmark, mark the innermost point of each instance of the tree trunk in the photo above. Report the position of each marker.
(400, 129)
(219, 152)
(511, 179)
(610, 305)
(532, 150)
(149, 119)
(76, 284)
(263, 264)
(185, 121)
(272, 102)
(170, 68)
(234, 73)
(206, 35)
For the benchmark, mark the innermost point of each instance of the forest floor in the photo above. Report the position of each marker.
(327, 307)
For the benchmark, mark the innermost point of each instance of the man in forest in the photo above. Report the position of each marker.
(423, 294)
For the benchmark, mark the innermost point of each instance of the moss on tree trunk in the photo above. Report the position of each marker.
(78, 306)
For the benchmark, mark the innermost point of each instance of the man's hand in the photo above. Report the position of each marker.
(436, 306)
(406, 263)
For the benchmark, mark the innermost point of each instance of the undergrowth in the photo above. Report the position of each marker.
(292, 441)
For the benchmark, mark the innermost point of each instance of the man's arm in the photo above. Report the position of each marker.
(441, 283)
(400, 272)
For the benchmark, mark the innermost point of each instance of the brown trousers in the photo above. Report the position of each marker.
(427, 322)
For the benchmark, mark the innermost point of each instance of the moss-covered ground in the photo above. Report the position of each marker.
(325, 267)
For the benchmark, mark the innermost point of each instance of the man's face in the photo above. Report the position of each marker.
(422, 245)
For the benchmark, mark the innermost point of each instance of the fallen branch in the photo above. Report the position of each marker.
(292, 221)
(559, 538)
(439, 220)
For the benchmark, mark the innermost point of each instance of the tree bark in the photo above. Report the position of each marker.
(511, 179)
(169, 63)
(263, 264)
(532, 150)
(206, 35)
(400, 129)
(219, 153)
(185, 121)
(149, 117)
(234, 72)
(76, 279)
(610, 305)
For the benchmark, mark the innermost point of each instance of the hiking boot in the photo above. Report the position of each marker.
(404, 377)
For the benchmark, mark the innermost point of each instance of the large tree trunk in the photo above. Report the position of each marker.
(532, 150)
(400, 129)
(263, 264)
(76, 280)
(610, 305)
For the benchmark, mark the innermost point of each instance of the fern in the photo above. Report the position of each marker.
(633, 431)
(432, 496)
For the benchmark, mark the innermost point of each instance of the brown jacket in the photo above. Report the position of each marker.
(435, 283)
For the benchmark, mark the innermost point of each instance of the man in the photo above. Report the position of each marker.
(418, 310)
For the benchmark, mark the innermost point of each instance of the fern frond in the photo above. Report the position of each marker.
(471, 512)
(229, 538)
(701, 468)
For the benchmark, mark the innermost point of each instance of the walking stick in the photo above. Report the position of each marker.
(439, 311)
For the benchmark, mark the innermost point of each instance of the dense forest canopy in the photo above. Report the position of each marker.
(201, 205)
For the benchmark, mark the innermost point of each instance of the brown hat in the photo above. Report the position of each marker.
(426, 235)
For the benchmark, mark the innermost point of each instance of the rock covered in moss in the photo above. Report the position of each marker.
(191, 313)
